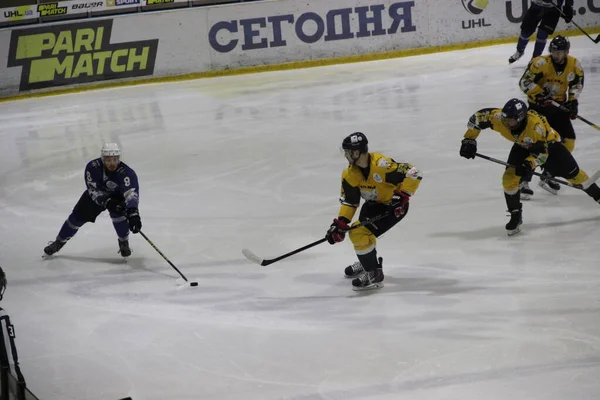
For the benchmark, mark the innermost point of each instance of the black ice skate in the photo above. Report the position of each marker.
(514, 225)
(549, 186)
(369, 279)
(54, 247)
(124, 248)
(526, 191)
(354, 270)
(515, 56)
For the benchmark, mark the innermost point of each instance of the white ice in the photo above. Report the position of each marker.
(253, 161)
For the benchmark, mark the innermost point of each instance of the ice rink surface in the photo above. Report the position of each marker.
(253, 161)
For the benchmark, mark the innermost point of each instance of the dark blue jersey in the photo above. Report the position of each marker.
(551, 3)
(102, 184)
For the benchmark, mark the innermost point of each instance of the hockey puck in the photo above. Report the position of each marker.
(193, 283)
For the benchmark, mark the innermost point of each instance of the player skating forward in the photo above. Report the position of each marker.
(535, 144)
(386, 186)
(554, 78)
(545, 14)
(111, 185)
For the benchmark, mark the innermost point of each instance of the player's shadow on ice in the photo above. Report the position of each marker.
(129, 265)
(423, 285)
(495, 232)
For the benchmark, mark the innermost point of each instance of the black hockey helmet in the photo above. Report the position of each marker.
(559, 43)
(2, 282)
(356, 141)
(514, 114)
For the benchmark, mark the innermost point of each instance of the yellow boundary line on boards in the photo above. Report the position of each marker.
(285, 66)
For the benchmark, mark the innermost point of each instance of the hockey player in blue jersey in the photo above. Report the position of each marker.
(111, 185)
(546, 14)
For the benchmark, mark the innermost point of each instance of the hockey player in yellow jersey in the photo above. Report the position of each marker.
(535, 144)
(556, 77)
(386, 186)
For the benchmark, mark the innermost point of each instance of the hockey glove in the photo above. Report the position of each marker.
(573, 106)
(544, 100)
(468, 148)
(337, 231)
(567, 13)
(400, 203)
(115, 206)
(135, 222)
(525, 169)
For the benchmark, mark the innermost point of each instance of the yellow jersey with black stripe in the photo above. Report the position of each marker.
(377, 182)
(535, 135)
(562, 82)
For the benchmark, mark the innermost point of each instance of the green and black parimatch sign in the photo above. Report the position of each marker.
(68, 54)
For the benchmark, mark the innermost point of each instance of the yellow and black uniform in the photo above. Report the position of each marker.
(562, 83)
(535, 143)
(531, 142)
(376, 184)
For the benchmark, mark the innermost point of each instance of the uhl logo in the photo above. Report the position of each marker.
(474, 7)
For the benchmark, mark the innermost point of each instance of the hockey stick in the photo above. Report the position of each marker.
(565, 109)
(597, 40)
(590, 181)
(167, 260)
(262, 261)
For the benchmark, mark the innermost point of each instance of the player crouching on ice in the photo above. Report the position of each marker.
(111, 185)
(535, 144)
(386, 186)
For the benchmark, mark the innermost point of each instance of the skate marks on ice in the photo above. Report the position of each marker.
(496, 232)
(572, 367)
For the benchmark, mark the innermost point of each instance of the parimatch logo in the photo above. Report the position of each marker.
(77, 53)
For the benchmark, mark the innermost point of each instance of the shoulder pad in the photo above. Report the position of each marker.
(352, 176)
(539, 62)
(539, 128)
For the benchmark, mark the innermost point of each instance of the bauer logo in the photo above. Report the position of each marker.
(475, 7)
(69, 54)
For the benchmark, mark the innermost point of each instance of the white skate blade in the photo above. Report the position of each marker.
(525, 196)
(514, 231)
(547, 188)
(369, 287)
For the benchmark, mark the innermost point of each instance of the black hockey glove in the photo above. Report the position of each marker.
(573, 106)
(525, 169)
(544, 99)
(115, 206)
(400, 203)
(135, 222)
(468, 148)
(567, 13)
(337, 231)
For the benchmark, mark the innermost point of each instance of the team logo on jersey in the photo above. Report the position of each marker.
(111, 185)
(571, 76)
(377, 178)
(474, 7)
(383, 163)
